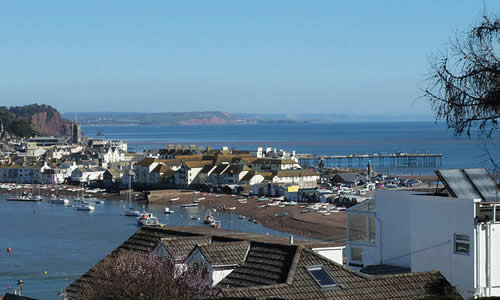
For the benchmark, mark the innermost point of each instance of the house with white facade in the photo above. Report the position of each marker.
(274, 165)
(83, 174)
(188, 173)
(456, 232)
(303, 178)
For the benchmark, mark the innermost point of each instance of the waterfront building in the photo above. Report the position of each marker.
(455, 231)
(303, 178)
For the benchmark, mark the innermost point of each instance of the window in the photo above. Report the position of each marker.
(356, 254)
(362, 228)
(321, 276)
(462, 244)
(357, 228)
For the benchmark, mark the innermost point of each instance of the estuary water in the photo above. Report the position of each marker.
(65, 243)
(318, 139)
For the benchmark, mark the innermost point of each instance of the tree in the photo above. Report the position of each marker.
(133, 275)
(464, 86)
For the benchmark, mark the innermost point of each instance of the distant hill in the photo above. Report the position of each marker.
(33, 119)
(220, 118)
(162, 118)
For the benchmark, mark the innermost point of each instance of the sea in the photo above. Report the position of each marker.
(52, 245)
(321, 139)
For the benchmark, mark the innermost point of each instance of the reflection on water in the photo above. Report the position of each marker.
(65, 243)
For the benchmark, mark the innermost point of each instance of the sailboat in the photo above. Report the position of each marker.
(85, 206)
(130, 212)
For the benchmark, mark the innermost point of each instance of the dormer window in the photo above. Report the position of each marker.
(321, 276)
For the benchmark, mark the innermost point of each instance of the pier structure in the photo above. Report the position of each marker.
(379, 160)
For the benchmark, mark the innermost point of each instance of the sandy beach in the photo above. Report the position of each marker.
(299, 220)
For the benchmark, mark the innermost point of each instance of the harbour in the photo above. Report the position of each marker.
(65, 242)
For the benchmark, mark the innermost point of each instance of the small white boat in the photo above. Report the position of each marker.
(202, 198)
(274, 203)
(232, 208)
(218, 196)
(98, 201)
(291, 203)
(208, 219)
(175, 199)
(260, 206)
(215, 224)
(242, 217)
(151, 222)
(167, 210)
(189, 205)
(326, 214)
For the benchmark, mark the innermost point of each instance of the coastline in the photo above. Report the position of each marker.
(297, 221)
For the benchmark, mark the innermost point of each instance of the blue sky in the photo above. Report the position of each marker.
(353, 57)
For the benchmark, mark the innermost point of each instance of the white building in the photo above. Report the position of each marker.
(456, 236)
(302, 178)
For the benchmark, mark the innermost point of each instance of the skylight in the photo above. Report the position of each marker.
(321, 276)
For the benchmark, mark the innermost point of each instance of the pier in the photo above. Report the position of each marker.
(379, 160)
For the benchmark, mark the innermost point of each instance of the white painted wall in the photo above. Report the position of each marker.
(434, 221)
(332, 253)
(393, 236)
(219, 274)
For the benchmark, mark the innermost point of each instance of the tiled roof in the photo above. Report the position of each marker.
(299, 283)
(224, 253)
(189, 157)
(161, 169)
(197, 163)
(144, 240)
(296, 173)
(146, 162)
(265, 264)
(179, 247)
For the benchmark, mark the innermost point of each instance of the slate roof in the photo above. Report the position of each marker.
(299, 284)
(224, 253)
(265, 264)
(233, 170)
(220, 168)
(146, 239)
(180, 247)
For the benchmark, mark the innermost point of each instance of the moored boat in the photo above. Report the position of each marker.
(208, 219)
(167, 210)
